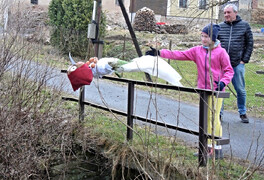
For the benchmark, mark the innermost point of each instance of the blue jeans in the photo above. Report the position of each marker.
(238, 82)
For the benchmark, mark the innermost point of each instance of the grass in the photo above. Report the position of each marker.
(111, 130)
(254, 84)
(257, 25)
(188, 71)
(255, 105)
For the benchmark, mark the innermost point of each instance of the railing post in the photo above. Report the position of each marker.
(81, 104)
(130, 107)
(203, 109)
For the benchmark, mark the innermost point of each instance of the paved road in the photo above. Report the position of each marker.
(247, 140)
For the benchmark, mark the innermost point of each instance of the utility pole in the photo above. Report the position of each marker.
(93, 28)
(97, 42)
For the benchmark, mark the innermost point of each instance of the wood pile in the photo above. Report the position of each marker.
(176, 29)
(258, 16)
(144, 20)
(171, 29)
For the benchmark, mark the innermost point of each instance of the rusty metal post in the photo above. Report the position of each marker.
(203, 109)
(130, 107)
(81, 104)
(132, 33)
(170, 45)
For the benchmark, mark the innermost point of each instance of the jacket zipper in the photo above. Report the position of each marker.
(230, 38)
(205, 70)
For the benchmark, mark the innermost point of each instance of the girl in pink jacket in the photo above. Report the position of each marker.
(222, 72)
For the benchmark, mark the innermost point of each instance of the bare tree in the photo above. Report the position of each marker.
(34, 126)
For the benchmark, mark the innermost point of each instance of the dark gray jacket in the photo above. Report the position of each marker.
(237, 39)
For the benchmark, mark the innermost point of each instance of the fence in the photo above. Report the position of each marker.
(203, 94)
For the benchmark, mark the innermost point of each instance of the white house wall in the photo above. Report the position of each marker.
(261, 4)
(245, 4)
(192, 10)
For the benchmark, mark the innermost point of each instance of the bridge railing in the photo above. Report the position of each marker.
(203, 112)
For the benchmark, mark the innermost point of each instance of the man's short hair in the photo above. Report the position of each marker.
(233, 6)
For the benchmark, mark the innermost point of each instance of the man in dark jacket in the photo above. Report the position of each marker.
(236, 37)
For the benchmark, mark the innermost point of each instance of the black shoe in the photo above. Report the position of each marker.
(244, 118)
(221, 118)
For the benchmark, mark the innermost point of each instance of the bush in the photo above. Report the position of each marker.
(35, 127)
(70, 19)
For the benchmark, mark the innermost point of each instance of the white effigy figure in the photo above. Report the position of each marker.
(152, 65)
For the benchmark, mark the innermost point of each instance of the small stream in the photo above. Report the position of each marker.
(95, 167)
(90, 167)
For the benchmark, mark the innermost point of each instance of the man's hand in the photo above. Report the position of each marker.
(242, 62)
(220, 85)
(153, 52)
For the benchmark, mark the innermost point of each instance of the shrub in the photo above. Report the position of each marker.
(70, 19)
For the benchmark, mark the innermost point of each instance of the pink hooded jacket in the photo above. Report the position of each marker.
(220, 64)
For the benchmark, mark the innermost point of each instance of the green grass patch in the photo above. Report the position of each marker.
(162, 148)
(254, 84)
(256, 25)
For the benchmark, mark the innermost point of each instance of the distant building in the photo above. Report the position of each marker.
(33, 2)
(195, 9)
(40, 2)
(249, 10)
(176, 8)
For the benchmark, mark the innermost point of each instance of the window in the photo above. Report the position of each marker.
(34, 1)
(183, 3)
(202, 4)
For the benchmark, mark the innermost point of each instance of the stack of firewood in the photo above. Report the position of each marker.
(144, 20)
(176, 29)
(258, 16)
(171, 29)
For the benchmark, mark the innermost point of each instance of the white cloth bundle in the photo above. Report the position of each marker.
(152, 65)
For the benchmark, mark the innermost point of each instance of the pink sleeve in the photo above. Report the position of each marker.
(227, 68)
(179, 55)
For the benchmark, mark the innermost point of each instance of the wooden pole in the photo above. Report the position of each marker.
(130, 108)
(81, 104)
(132, 33)
(203, 109)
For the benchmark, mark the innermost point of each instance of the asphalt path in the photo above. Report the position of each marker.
(246, 140)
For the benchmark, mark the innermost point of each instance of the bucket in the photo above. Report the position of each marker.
(262, 30)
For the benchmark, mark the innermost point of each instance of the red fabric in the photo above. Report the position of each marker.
(160, 23)
(81, 76)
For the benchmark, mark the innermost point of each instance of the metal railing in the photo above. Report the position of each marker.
(203, 106)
